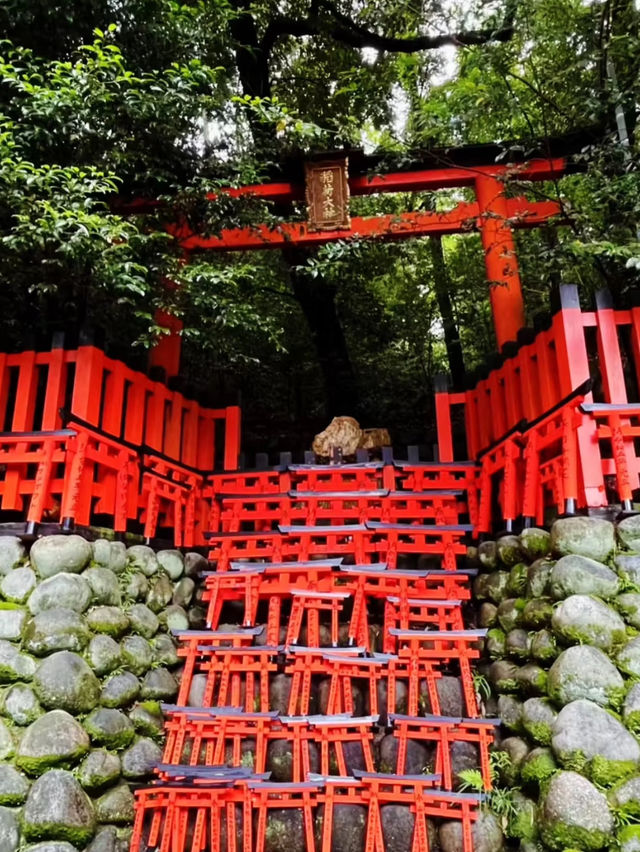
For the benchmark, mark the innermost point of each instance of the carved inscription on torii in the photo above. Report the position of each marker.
(327, 192)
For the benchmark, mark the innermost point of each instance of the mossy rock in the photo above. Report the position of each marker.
(55, 629)
(631, 709)
(543, 646)
(116, 806)
(628, 838)
(538, 576)
(532, 679)
(65, 680)
(495, 585)
(584, 620)
(136, 654)
(518, 644)
(537, 613)
(14, 786)
(495, 644)
(99, 769)
(109, 620)
(628, 605)
(628, 658)
(510, 712)
(584, 536)
(147, 719)
(538, 766)
(580, 575)
(503, 676)
(535, 543)
(584, 672)
(538, 716)
(510, 613)
(522, 823)
(487, 614)
(574, 814)
(509, 550)
(57, 808)
(109, 727)
(488, 555)
(625, 797)
(55, 739)
(517, 583)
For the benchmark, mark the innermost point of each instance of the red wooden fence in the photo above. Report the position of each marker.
(516, 405)
(84, 437)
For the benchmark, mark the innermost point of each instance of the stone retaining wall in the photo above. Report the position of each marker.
(563, 669)
(85, 660)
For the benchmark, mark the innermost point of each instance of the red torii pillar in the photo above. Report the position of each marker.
(505, 291)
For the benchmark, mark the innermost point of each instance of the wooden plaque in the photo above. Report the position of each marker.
(327, 191)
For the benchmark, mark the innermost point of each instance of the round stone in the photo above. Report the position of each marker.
(9, 831)
(195, 564)
(147, 718)
(137, 587)
(65, 681)
(584, 672)
(120, 690)
(142, 558)
(57, 808)
(510, 712)
(628, 566)
(56, 554)
(538, 717)
(116, 806)
(631, 709)
(18, 584)
(62, 591)
(6, 742)
(14, 665)
(103, 654)
(14, 786)
(171, 561)
(579, 575)
(586, 620)
(56, 630)
(12, 553)
(109, 727)
(110, 554)
(160, 593)
(543, 646)
(509, 550)
(108, 839)
(99, 769)
(574, 814)
(488, 555)
(21, 704)
(485, 831)
(143, 621)
(628, 658)
(140, 759)
(104, 585)
(136, 654)
(629, 532)
(627, 796)
(107, 619)
(12, 621)
(159, 684)
(495, 585)
(55, 739)
(628, 604)
(592, 537)
(538, 577)
(175, 618)
(51, 846)
(536, 543)
(164, 650)
(183, 592)
(584, 731)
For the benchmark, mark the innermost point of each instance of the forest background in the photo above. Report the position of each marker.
(107, 101)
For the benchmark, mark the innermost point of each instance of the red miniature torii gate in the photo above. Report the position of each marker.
(493, 214)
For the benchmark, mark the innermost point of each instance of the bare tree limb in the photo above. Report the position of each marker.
(325, 18)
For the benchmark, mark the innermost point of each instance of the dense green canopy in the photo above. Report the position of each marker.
(102, 102)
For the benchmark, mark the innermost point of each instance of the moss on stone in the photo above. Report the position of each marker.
(566, 837)
(606, 773)
(538, 766)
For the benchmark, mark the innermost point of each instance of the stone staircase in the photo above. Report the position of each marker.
(330, 703)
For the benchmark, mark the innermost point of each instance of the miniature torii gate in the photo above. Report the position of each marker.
(492, 214)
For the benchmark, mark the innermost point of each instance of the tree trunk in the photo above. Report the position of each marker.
(317, 299)
(451, 336)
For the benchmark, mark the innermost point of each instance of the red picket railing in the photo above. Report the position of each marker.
(602, 347)
(86, 437)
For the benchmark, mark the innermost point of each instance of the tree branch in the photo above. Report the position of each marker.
(347, 31)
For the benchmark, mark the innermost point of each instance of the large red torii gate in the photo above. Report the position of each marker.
(492, 214)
